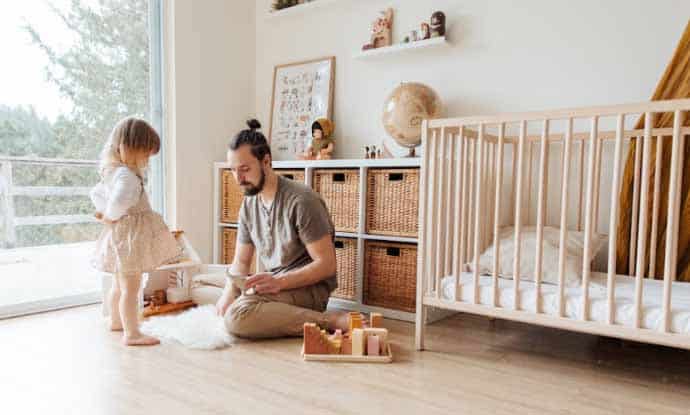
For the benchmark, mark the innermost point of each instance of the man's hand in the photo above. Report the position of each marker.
(264, 283)
(225, 300)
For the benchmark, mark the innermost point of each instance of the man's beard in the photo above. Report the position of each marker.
(251, 190)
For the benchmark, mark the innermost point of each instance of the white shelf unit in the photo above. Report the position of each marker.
(299, 9)
(398, 48)
(361, 236)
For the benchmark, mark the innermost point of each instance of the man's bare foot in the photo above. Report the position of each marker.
(140, 340)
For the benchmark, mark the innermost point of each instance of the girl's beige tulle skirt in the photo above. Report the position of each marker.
(139, 242)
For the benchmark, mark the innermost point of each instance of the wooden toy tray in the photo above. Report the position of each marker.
(387, 358)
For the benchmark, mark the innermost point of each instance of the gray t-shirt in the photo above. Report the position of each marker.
(297, 217)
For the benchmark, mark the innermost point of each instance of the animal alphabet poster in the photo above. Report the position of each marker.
(302, 92)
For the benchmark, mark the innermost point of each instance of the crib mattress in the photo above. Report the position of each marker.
(652, 295)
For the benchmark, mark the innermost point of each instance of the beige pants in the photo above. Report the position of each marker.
(271, 315)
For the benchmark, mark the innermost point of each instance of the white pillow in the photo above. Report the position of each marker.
(573, 263)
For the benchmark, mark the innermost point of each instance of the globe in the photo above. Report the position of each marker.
(404, 110)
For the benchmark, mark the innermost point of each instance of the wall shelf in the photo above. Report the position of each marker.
(299, 9)
(434, 42)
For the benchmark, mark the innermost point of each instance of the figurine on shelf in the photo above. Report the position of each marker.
(381, 31)
(372, 154)
(366, 152)
(438, 24)
(425, 34)
(321, 145)
(413, 36)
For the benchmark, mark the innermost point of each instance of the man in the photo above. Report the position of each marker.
(288, 225)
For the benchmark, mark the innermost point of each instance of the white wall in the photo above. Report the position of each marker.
(505, 55)
(209, 94)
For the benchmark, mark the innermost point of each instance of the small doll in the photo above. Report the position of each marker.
(321, 145)
(438, 24)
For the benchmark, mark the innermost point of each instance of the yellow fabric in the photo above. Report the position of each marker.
(674, 84)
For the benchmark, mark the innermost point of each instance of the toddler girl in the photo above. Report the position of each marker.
(134, 239)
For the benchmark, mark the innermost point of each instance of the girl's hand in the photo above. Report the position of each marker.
(103, 219)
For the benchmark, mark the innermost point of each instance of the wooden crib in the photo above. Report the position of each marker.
(562, 168)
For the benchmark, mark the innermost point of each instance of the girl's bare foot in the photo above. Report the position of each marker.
(140, 340)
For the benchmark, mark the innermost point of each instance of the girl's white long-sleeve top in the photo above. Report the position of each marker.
(116, 193)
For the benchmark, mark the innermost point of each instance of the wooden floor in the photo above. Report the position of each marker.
(65, 362)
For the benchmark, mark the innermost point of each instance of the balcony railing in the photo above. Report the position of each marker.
(8, 191)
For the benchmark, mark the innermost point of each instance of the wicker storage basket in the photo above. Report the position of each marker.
(340, 191)
(392, 202)
(297, 175)
(228, 251)
(229, 239)
(390, 275)
(346, 257)
(231, 198)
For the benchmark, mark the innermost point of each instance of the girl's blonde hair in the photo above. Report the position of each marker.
(132, 133)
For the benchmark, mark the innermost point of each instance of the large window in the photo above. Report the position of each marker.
(72, 69)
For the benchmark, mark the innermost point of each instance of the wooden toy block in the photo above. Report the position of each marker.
(373, 345)
(355, 321)
(358, 342)
(346, 346)
(335, 341)
(376, 320)
(314, 341)
(152, 310)
(382, 335)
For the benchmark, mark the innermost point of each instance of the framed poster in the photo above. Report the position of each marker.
(302, 92)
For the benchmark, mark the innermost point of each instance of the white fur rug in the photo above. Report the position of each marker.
(197, 328)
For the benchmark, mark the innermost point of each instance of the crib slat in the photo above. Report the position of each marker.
(655, 206)
(463, 219)
(670, 260)
(497, 212)
(470, 205)
(528, 211)
(642, 232)
(489, 185)
(581, 190)
(518, 217)
(543, 150)
(433, 213)
(564, 215)
(597, 181)
(478, 213)
(613, 221)
(450, 208)
(589, 216)
(440, 203)
(513, 195)
(635, 206)
(459, 177)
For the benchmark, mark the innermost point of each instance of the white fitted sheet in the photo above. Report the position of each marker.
(652, 296)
